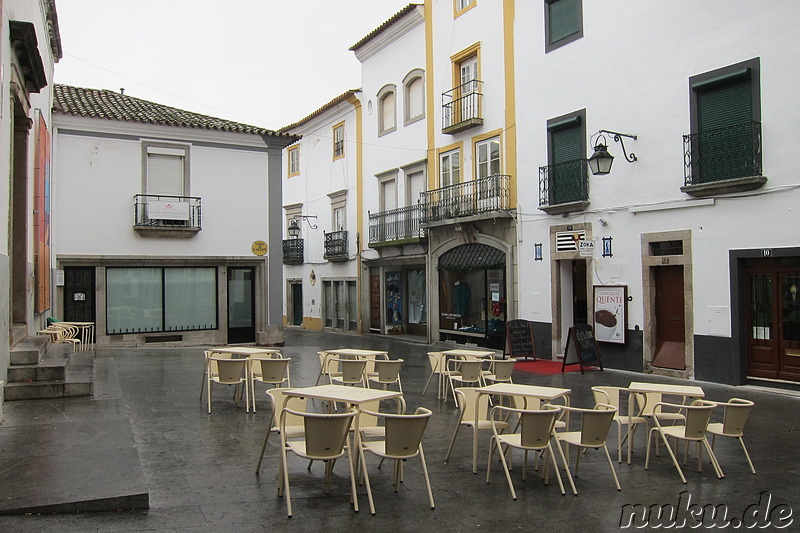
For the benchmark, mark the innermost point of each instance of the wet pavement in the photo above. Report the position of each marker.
(145, 436)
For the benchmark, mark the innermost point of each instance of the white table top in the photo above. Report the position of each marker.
(243, 350)
(468, 353)
(533, 391)
(353, 352)
(665, 388)
(342, 393)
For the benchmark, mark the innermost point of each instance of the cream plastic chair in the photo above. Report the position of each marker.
(595, 424)
(463, 372)
(370, 370)
(349, 371)
(436, 361)
(325, 365)
(734, 419)
(402, 441)
(470, 417)
(611, 396)
(324, 439)
(207, 354)
(500, 371)
(269, 371)
(387, 372)
(293, 425)
(694, 429)
(228, 371)
(533, 433)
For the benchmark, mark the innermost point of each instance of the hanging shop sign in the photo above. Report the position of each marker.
(259, 248)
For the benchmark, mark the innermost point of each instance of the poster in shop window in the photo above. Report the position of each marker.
(610, 313)
(394, 299)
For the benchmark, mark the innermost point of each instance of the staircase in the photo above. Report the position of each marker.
(40, 369)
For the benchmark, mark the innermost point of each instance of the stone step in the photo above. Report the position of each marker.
(51, 367)
(29, 351)
(37, 390)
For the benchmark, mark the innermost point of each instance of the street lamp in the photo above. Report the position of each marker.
(294, 229)
(600, 161)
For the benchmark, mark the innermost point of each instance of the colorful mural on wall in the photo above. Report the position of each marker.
(41, 216)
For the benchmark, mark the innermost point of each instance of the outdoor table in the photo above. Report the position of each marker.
(353, 352)
(468, 353)
(690, 391)
(547, 394)
(87, 333)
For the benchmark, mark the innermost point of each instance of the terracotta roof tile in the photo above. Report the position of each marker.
(377, 31)
(103, 103)
(339, 99)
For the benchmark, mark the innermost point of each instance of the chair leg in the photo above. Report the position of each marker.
(672, 456)
(611, 466)
(363, 463)
(209, 395)
(286, 491)
(428, 383)
(508, 474)
(714, 461)
(566, 467)
(749, 462)
(452, 441)
(577, 459)
(549, 451)
(263, 449)
(427, 479)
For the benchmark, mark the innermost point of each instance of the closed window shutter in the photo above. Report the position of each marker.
(566, 144)
(164, 175)
(725, 105)
(564, 21)
(726, 140)
(567, 160)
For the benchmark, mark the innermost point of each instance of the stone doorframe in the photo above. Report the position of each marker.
(650, 262)
(558, 329)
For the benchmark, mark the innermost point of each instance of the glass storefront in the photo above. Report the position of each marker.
(472, 295)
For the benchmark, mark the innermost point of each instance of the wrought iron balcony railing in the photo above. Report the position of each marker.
(465, 199)
(293, 251)
(165, 212)
(336, 246)
(461, 107)
(563, 183)
(722, 154)
(401, 224)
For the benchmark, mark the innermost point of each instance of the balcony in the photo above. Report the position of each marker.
(461, 107)
(724, 160)
(166, 216)
(395, 227)
(293, 252)
(471, 198)
(336, 246)
(564, 187)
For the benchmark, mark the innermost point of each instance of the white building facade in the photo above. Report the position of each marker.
(169, 222)
(321, 176)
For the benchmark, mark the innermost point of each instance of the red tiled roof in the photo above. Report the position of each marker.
(374, 33)
(111, 105)
(339, 99)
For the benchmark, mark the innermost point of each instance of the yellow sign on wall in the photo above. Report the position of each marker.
(259, 248)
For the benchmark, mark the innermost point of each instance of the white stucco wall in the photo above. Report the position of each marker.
(96, 177)
(631, 73)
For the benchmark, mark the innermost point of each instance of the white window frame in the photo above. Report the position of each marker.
(408, 99)
(483, 159)
(387, 92)
(169, 150)
(453, 174)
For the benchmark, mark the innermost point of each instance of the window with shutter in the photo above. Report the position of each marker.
(567, 158)
(563, 22)
(165, 171)
(726, 133)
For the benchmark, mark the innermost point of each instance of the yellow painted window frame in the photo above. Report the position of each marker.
(334, 128)
(289, 153)
(443, 150)
(458, 12)
(483, 137)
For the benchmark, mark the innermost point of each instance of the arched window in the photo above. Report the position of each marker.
(387, 110)
(414, 96)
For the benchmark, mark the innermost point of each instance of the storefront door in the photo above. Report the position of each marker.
(773, 320)
(241, 306)
(79, 291)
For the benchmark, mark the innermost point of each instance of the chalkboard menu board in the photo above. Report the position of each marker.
(519, 339)
(581, 348)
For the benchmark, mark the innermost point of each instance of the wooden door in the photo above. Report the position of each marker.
(375, 302)
(297, 304)
(79, 293)
(670, 318)
(773, 321)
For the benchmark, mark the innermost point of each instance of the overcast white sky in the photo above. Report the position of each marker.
(263, 62)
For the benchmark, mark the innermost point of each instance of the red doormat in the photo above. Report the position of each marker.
(548, 366)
